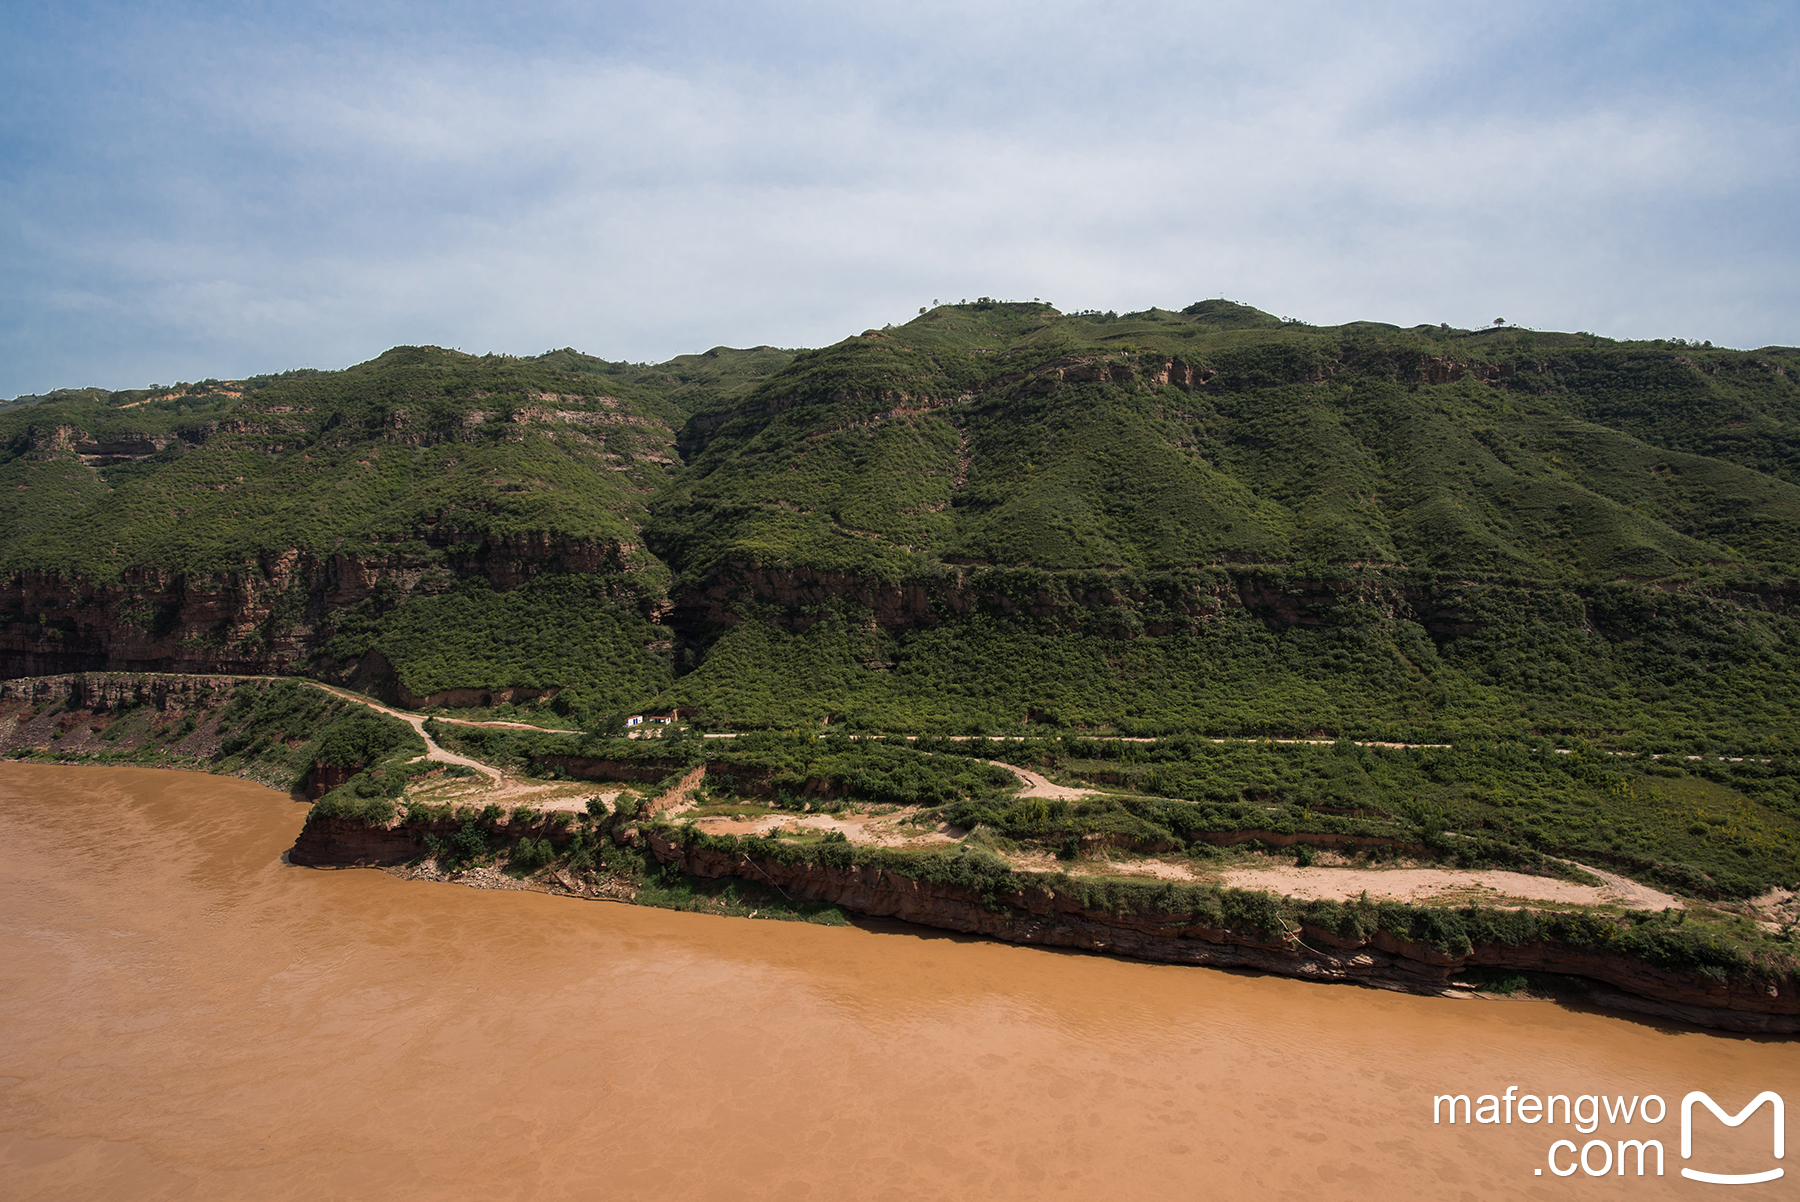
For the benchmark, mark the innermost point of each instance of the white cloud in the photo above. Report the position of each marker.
(671, 195)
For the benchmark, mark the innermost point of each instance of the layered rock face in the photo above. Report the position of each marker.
(269, 617)
(225, 526)
(100, 694)
(1039, 916)
(349, 842)
(1173, 602)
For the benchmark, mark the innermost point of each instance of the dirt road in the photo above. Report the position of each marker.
(1037, 786)
(417, 722)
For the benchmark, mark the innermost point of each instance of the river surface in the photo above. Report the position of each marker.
(184, 1016)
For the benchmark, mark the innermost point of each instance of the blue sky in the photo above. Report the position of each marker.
(191, 190)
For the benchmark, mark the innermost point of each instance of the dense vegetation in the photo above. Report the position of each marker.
(1002, 518)
(583, 635)
(1681, 672)
(785, 767)
(1709, 827)
(1213, 521)
(1208, 520)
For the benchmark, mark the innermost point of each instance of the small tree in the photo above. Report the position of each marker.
(608, 726)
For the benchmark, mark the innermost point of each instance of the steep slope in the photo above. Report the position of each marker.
(998, 514)
(444, 524)
(994, 515)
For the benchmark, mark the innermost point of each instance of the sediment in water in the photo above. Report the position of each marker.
(1036, 910)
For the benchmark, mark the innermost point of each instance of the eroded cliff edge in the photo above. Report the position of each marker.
(1041, 913)
(1413, 949)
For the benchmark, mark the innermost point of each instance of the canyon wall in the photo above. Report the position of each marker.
(1165, 602)
(274, 615)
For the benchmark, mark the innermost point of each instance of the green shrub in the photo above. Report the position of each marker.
(529, 855)
(362, 737)
(467, 845)
(360, 799)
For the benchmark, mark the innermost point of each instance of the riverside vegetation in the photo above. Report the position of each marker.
(363, 768)
(1572, 559)
(628, 849)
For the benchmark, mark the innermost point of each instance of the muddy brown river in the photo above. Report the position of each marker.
(184, 1016)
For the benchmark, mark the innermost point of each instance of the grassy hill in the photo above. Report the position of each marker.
(1218, 521)
(475, 521)
(1209, 521)
(1008, 434)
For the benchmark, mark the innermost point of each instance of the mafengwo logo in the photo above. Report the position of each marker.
(1636, 1156)
(1732, 1120)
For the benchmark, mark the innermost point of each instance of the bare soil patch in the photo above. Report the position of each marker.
(1162, 870)
(1036, 786)
(868, 830)
(1478, 886)
(1775, 909)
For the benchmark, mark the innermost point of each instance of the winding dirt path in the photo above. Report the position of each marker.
(1626, 892)
(1405, 884)
(417, 722)
(1037, 786)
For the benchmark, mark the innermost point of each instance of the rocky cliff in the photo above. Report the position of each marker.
(114, 692)
(268, 617)
(352, 843)
(1158, 603)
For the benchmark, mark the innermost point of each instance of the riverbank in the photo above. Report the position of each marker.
(1640, 962)
(194, 1019)
(619, 848)
(785, 827)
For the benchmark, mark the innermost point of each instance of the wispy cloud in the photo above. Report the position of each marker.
(203, 193)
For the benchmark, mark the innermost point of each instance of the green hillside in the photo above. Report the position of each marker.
(1210, 521)
(475, 521)
(421, 449)
(1215, 521)
(1009, 435)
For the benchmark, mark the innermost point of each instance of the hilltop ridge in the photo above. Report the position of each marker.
(1212, 520)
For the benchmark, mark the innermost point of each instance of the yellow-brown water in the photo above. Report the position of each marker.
(184, 1016)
